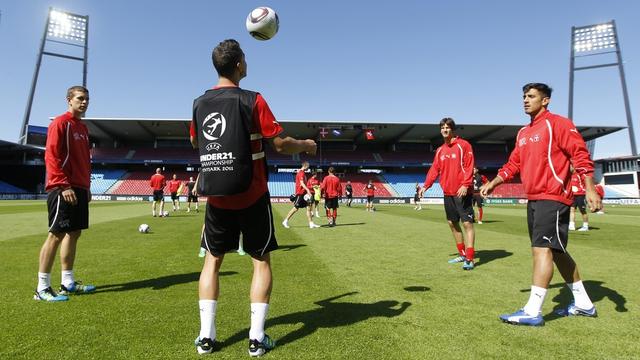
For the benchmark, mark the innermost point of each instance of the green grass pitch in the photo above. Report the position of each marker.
(377, 286)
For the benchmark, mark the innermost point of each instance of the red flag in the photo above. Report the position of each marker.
(369, 134)
(323, 132)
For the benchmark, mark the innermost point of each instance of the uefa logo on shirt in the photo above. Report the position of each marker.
(214, 126)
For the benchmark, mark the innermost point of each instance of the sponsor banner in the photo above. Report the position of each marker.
(504, 201)
(23, 196)
(278, 199)
(437, 201)
(626, 201)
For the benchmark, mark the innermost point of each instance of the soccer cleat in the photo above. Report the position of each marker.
(204, 346)
(77, 288)
(468, 265)
(241, 252)
(202, 253)
(285, 224)
(259, 348)
(522, 318)
(313, 225)
(573, 310)
(572, 227)
(49, 296)
(584, 228)
(456, 260)
(479, 222)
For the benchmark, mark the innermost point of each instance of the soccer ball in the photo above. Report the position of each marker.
(263, 23)
(144, 228)
(307, 197)
(165, 214)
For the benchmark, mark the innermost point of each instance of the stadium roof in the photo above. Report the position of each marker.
(11, 147)
(137, 129)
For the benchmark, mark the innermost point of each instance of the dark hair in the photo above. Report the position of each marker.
(226, 56)
(77, 88)
(449, 121)
(331, 170)
(542, 88)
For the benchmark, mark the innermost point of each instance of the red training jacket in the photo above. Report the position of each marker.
(67, 157)
(331, 187)
(454, 163)
(157, 182)
(541, 156)
(174, 185)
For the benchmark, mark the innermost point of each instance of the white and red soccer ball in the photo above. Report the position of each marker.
(263, 23)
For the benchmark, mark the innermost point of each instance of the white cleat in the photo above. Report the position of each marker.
(583, 229)
(313, 225)
(285, 224)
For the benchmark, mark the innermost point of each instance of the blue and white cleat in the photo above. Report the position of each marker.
(204, 346)
(49, 296)
(259, 348)
(456, 260)
(77, 288)
(468, 265)
(573, 310)
(522, 318)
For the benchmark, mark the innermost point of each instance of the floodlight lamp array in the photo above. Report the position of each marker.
(67, 26)
(594, 38)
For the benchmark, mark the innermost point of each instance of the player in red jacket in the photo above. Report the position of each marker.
(174, 186)
(543, 152)
(453, 163)
(577, 187)
(157, 183)
(332, 191)
(68, 183)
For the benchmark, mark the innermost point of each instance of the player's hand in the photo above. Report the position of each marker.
(69, 196)
(462, 192)
(88, 195)
(593, 200)
(310, 147)
(486, 189)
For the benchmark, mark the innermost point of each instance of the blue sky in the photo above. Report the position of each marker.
(400, 61)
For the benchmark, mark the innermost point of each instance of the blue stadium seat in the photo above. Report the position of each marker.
(405, 184)
(6, 188)
(102, 180)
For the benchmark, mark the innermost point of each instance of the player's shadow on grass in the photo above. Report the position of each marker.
(487, 256)
(290, 247)
(345, 224)
(159, 283)
(491, 221)
(597, 292)
(330, 314)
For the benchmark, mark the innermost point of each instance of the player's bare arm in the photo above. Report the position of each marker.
(289, 146)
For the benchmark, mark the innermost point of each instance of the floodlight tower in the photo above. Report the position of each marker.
(62, 28)
(599, 39)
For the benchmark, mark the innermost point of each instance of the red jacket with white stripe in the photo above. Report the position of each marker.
(454, 163)
(67, 157)
(542, 154)
(331, 187)
(577, 184)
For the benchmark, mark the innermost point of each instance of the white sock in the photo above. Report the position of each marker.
(580, 296)
(585, 224)
(258, 317)
(153, 212)
(534, 305)
(572, 224)
(67, 278)
(44, 281)
(208, 318)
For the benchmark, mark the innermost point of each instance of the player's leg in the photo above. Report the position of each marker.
(582, 304)
(153, 208)
(456, 231)
(312, 225)
(293, 210)
(44, 291)
(572, 218)
(260, 294)
(162, 206)
(208, 292)
(585, 216)
(68, 283)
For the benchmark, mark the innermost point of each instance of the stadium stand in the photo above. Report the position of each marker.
(102, 180)
(405, 184)
(6, 188)
(137, 183)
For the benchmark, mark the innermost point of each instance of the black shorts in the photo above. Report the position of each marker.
(459, 209)
(478, 200)
(64, 217)
(416, 199)
(223, 228)
(331, 203)
(158, 195)
(192, 198)
(369, 199)
(548, 222)
(580, 202)
(349, 196)
(174, 196)
(299, 202)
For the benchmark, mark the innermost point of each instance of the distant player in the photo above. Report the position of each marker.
(478, 200)
(174, 187)
(544, 150)
(158, 183)
(453, 163)
(192, 196)
(417, 197)
(300, 202)
(348, 192)
(332, 191)
(314, 185)
(68, 183)
(370, 189)
(577, 187)
(600, 191)
(239, 201)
